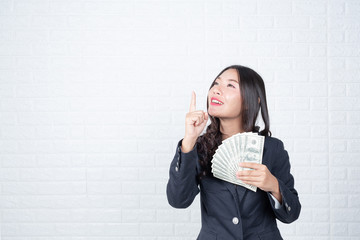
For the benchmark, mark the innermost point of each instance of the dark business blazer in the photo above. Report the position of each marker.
(229, 211)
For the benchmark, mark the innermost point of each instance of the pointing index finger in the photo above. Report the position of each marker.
(193, 102)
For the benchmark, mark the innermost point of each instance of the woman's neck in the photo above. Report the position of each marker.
(229, 127)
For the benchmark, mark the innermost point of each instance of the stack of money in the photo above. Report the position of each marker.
(241, 147)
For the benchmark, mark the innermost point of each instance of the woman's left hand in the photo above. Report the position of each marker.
(260, 177)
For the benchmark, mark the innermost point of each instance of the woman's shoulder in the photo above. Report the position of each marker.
(275, 153)
(273, 142)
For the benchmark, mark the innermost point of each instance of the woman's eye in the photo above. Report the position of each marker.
(231, 85)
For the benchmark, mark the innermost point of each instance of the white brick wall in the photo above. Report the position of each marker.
(93, 95)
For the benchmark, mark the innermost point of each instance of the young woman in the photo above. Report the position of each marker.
(230, 211)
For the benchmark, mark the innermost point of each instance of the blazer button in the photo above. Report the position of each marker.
(289, 208)
(176, 169)
(235, 220)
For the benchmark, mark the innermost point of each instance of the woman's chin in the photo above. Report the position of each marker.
(210, 112)
(214, 114)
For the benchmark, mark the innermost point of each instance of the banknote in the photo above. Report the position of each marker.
(241, 147)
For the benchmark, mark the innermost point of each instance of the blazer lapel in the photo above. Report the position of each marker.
(241, 192)
(238, 192)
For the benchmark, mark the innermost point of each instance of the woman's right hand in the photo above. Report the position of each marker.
(195, 123)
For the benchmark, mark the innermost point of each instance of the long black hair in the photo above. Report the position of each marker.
(252, 88)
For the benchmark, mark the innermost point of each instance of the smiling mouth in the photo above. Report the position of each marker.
(216, 102)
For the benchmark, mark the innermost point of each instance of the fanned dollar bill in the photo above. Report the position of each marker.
(241, 147)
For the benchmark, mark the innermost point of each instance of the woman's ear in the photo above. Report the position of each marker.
(258, 100)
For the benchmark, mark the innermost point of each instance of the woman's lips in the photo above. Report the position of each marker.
(216, 102)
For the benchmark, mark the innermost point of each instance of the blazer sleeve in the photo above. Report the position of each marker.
(290, 207)
(182, 186)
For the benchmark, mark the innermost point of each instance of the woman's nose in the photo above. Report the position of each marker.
(217, 90)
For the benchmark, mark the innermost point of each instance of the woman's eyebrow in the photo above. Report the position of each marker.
(231, 80)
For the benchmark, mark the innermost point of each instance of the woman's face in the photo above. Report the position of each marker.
(224, 97)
